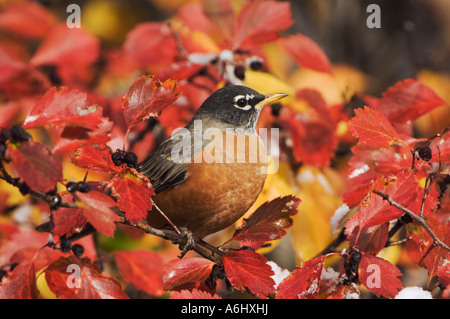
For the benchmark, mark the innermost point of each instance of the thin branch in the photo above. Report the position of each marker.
(420, 220)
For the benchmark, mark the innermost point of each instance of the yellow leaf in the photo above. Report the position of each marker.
(320, 195)
(266, 83)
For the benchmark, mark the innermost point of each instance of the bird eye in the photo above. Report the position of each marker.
(241, 102)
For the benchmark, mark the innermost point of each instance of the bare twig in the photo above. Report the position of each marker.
(419, 219)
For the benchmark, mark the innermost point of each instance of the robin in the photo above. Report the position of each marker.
(208, 174)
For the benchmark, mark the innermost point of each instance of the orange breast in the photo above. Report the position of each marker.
(222, 184)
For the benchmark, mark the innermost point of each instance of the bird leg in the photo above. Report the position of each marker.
(187, 241)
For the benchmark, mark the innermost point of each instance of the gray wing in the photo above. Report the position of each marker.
(167, 166)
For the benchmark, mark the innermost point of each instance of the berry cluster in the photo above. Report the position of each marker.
(121, 157)
(15, 134)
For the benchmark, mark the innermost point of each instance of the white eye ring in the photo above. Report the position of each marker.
(239, 104)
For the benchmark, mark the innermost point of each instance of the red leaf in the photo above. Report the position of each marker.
(258, 21)
(194, 294)
(440, 148)
(379, 276)
(245, 268)
(142, 269)
(372, 128)
(67, 46)
(132, 191)
(68, 220)
(150, 44)
(181, 271)
(422, 241)
(65, 107)
(405, 101)
(268, 222)
(28, 19)
(147, 97)
(402, 188)
(95, 158)
(79, 279)
(303, 282)
(97, 210)
(306, 52)
(9, 65)
(20, 283)
(36, 165)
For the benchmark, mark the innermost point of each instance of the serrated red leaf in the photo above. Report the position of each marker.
(96, 158)
(422, 241)
(194, 294)
(259, 21)
(440, 148)
(303, 282)
(379, 276)
(181, 271)
(65, 107)
(268, 222)
(96, 208)
(147, 97)
(67, 46)
(36, 165)
(132, 191)
(91, 283)
(245, 268)
(402, 188)
(142, 269)
(20, 283)
(372, 128)
(405, 101)
(67, 220)
(306, 52)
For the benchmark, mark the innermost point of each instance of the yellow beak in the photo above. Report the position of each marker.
(269, 99)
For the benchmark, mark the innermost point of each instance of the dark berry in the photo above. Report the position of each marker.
(72, 187)
(2, 149)
(131, 159)
(2, 274)
(55, 201)
(5, 135)
(355, 258)
(65, 244)
(425, 153)
(78, 250)
(19, 134)
(118, 158)
(276, 108)
(239, 72)
(83, 187)
(256, 65)
(24, 188)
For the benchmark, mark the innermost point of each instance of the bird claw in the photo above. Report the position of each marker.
(187, 241)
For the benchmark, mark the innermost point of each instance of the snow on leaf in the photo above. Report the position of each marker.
(65, 107)
(303, 282)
